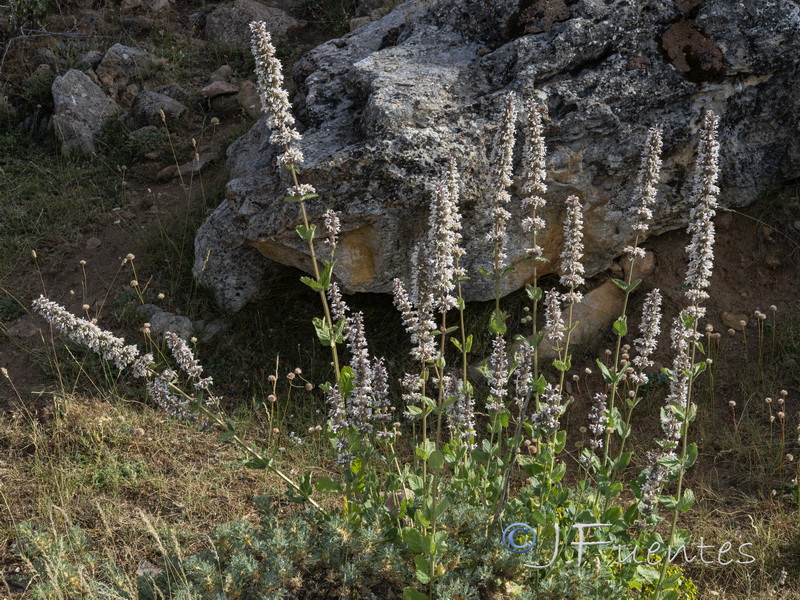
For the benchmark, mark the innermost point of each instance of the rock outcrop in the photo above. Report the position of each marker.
(228, 24)
(384, 106)
(80, 108)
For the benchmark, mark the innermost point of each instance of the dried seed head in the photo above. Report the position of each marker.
(130, 256)
(309, 387)
(732, 403)
(276, 431)
(160, 296)
(272, 398)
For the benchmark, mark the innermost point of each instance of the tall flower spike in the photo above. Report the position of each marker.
(359, 405)
(98, 340)
(550, 409)
(572, 254)
(701, 225)
(524, 374)
(645, 193)
(500, 180)
(498, 374)
(553, 321)
(533, 173)
(184, 356)
(461, 413)
(649, 329)
(443, 239)
(332, 226)
(274, 98)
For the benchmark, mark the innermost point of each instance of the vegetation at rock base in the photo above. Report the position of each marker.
(343, 494)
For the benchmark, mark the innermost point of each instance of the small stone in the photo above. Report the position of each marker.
(167, 173)
(195, 167)
(162, 322)
(92, 243)
(249, 100)
(219, 88)
(223, 74)
(136, 431)
(734, 320)
(773, 261)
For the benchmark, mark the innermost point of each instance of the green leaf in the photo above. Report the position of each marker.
(468, 347)
(226, 436)
(623, 461)
(312, 283)
(258, 463)
(607, 376)
(686, 501)
(230, 424)
(441, 508)
(346, 381)
(691, 455)
(423, 567)
(412, 594)
(413, 539)
(670, 462)
(326, 484)
(563, 365)
(306, 233)
(648, 573)
(414, 410)
(497, 323)
(324, 332)
(561, 441)
(302, 198)
(534, 293)
(325, 276)
(558, 472)
(415, 483)
(436, 461)
(621, 326)
(457, 344)
(425, 449)
(620, 284)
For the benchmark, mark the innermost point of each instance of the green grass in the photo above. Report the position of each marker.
(48, 200)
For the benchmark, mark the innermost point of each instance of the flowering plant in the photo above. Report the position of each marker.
(492, 447)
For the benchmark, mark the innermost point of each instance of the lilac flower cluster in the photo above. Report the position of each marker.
(645, 193)
(598, 421)
(701, 225)
(533, 174)
(572, 253)
(500, 180)
(649, 329)
(461, 413)
(498, 374)
(90, 335)
(549, 413)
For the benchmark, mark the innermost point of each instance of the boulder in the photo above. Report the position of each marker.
(80, 108)
(148, 106)
(218, 88)
(249, 100)
(228, 24)
(383, 107)
(122, 66)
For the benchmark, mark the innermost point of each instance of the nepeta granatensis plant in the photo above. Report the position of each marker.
(471, 439)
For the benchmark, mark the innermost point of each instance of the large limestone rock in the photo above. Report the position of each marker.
(384, 106)
(80, 108)
(228, 24)
(122, 69)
